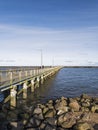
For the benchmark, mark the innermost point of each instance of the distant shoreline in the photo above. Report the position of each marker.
(50, 66)
(80, 66)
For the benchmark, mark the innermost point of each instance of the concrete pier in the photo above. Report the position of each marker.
(13, 98)
(42, 79)
(32, 85)
(37, 81)
(25, 90)
(27, 79)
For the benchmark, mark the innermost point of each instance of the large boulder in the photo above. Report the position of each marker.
(94, 109)
(50, 113)
(66, 120)
(52, 121)
(62, 118)
(83, 126)
(37, 111)
(33, 123)
(74, 105)
(61, 105)
(49, 127)
(45, 109)
(69, 123)
(85, 96)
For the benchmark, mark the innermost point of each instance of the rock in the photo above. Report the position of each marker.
(16, 125)
(2, 116)
(12, 116)
(85, 96)
(84, 109)
(42, 126)
(68, 123)
(40, 106)
(60, 128)
(96, 127)
(49, 127)
(24, 122)
(45, 110)
(51, 121)
(85, 117)
(50, 106)
(61, 119)
(5, 125)
(57, 100)
(5, 108)
(10, 127)
(86, 104)
(50, 101)
(32, 129)
(95, 100)
(63, 98)
(65, 109)
(83, 126)
(60, 105)
(37, 111)
(74, 105)
(66, 120)
(33, 122)
(26, 109)
(62, 114)
(50, 113)
(94, 109)
(77, 99)
(38, 116)
(21, 116)
(94, 117)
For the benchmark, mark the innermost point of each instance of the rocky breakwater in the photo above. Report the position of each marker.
(80, 113)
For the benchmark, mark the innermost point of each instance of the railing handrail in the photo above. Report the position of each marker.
(21, 69)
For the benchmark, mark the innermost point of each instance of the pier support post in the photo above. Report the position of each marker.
(42, 79)
(52, 73)
(32, 85)
(13, 93)
(45, 76)
(25, 90)
(38, 81)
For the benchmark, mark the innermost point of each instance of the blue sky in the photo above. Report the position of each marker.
(65, 30)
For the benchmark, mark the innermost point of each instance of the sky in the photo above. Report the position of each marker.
(65, 31)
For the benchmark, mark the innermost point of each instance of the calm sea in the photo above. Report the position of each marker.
(68, 82)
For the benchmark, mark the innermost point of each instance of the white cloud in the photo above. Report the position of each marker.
(22, 43)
